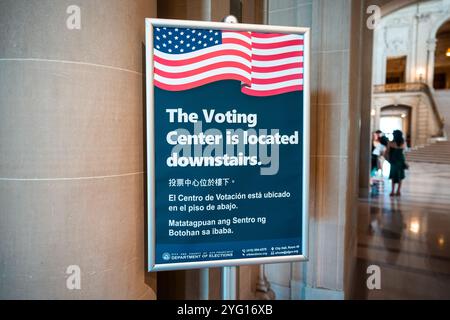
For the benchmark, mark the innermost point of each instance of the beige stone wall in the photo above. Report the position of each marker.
(71, 150)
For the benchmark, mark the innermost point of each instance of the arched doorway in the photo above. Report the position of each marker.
(441, 79)
(396, 118)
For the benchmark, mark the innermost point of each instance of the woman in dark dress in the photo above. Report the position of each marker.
(396, 149)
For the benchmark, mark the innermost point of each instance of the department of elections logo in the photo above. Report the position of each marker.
(166, 256)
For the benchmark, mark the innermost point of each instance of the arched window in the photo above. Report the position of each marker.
(442, 58)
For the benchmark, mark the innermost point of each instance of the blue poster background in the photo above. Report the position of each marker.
(283, 229)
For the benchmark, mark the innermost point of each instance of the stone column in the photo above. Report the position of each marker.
(335, 113)
(72, 149)
(366, 120)
(431, 52)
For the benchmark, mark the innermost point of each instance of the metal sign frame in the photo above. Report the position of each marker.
(150, 24)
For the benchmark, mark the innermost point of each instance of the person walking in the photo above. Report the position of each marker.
(396, 157)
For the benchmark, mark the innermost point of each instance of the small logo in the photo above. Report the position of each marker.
(166, 256)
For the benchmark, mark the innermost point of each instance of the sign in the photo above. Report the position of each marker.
(227, 144)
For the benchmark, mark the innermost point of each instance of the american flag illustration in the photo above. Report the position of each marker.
(266, 63)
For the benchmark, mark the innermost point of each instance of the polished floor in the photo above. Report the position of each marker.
(407, 237)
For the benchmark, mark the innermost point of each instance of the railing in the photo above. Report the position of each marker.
(413, 87)
(400, 87)
(438, 117)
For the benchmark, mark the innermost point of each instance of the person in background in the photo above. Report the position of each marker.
(384, 141)
(374, 162)
(396, 158)
(378, 151)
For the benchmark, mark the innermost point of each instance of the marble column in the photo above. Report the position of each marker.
(72, 149)
(366, 120)
(335, 113)
(431, 56)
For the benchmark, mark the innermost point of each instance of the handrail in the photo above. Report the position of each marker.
(438, 117)
(400, 87)
(413, 87)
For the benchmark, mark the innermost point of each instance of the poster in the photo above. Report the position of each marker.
(227, 144)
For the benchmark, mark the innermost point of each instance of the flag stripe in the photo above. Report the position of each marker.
(235, 35)
(202, 52)
(191, 85)
(277, 44)
(277, 79)
(275, 86)
(274, 63)
(237, 42)
(200, 70)
(266, 35)
(276, 74)
(281, 67)
(201, 58)
(280, 56)
(207, 74)
(278, 39)
(275, 51)
(222, 58)
(246, 34)
(274, 92)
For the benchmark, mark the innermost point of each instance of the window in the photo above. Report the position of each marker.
(395, 70)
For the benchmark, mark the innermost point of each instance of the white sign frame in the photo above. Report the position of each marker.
(150, 23)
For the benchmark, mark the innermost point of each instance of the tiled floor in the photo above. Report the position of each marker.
(408, 237)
